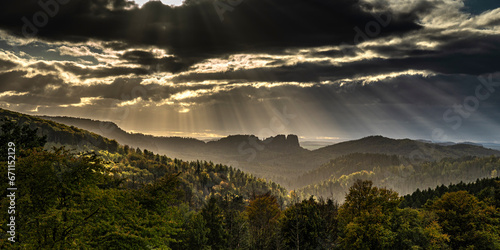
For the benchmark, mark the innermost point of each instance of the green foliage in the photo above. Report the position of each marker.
(484, 189)
(471, 224)
(416, 230)
(134, 199)
(57, 133)
(345, 165)
(370, 219)
(309, 225)
(406, 178)
(263, 213)
(198, 179)
(366, 216)
(214, 217)
(195, 233)
(63, 205)
(23, 137)
(233, 207)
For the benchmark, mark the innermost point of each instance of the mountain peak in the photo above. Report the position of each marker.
(282, 142)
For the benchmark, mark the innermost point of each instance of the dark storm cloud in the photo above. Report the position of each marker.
(120, 89)
(86, 72)
(335, 53)
(34, 99)
(474, 55)
(18, 81)
(126, 89)
(167, 63)
(44, 66)
(101, 72)
(438, 92)
(41, 89)
(6, 65)
(196, 30)
(36, 90)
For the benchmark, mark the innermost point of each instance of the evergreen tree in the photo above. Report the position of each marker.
(214, 217)
(302, 226)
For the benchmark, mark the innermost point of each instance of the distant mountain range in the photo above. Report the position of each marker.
(275, 156)
(494, 146)
(413, 149)
(278, 158)
(244, 146)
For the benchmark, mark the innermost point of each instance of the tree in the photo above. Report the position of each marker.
(366, 215)
(195, 233)
(23, 137)
(263, 213)
(68, 200)
(214, 217)
(53, 207)
(234, 220)
(417, 230)
(470, 223)
(302, 226)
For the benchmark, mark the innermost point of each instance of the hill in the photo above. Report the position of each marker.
(404, 177)
(279, 158)
(130, 198)
(488, 188)
(60, 134)
(140, 167)
(246, 152)
(135, 198)
(345, 165)
(412, 149)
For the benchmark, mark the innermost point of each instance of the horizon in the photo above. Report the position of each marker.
(310, 143)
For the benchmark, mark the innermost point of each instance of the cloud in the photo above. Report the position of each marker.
(74, 51)
(196, 30)
(20, 82)
(6, 65)
(149, 60)
(473, 55)
(97, 58)
(85, 72)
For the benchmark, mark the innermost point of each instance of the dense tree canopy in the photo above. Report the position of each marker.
(135, 199)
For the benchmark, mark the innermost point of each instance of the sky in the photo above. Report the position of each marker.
(166, 2)
(321, 69)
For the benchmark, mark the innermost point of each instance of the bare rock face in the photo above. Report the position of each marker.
(293, 141)
(282, 143)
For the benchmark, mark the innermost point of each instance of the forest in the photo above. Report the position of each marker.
(335, 177)
(134, 199)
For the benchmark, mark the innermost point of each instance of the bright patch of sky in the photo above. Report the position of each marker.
(478, 7)
(167, 2)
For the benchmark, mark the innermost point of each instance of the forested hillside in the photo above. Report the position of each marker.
(134, 199)
(139, 167)
(60, 134)
(485, 189)
(199, 180)
(275, 160)
(281, 158)
(345, 165)
(404, 177)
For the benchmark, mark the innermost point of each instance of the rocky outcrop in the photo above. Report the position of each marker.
(282, 143)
